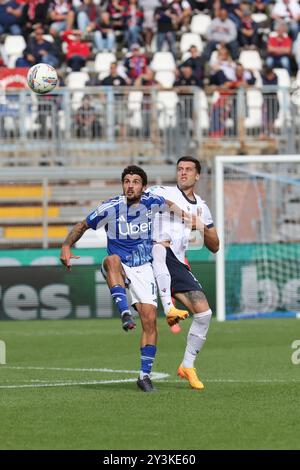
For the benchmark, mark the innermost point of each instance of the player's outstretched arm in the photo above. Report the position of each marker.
(211, 239)
(76, 233)
(185, 217)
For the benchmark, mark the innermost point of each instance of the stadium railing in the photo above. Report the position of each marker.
(114, 126)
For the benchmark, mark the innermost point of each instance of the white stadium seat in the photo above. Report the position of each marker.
(13, 49)
(251, 60)
(200, 24)
(165, 79)
(284, 114)
(167, 109)
(103, 60)
(190, 39)
(77, 80)
(254, 109)
(163, 61)
(135, 100)
(259, 17)
(201, 107)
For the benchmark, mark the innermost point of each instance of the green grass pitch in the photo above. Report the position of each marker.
(51, 398)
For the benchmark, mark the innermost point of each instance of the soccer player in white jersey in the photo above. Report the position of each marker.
(169, 260)
(127, 219)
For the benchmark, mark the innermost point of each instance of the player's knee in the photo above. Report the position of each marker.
(112, 262)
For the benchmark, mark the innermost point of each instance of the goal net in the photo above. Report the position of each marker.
(258, 220)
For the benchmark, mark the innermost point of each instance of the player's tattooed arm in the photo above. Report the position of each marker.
(76, 233)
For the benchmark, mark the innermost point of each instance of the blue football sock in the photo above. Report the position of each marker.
(118, 293)
(147, 358)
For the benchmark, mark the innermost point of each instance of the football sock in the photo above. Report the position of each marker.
(196, 337)
(118, 293)
(162, 276)
(147, 358)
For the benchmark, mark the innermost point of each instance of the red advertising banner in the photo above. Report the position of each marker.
(13, 78)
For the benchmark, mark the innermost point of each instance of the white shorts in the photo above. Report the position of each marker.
(142, 287)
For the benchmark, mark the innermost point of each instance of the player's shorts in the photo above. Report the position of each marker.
(182, 279)
(141, 286)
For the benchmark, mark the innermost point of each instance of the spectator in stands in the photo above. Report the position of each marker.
(198, 6)
(34, 15)
(146, 79)
(114, 79)
(247, 35)
(136, 63)
(149, 25)
(86, 120)
(87, 15)
(288, 11)
(39, 50)
(61, 15)
(223, 62)
(10, 16)
(279, 48)
(260, 6)
(167, 22)
(104, 35)
(78, 51)
(187, 77)
(270, 105)
(133, 20)
(234, 10)
(115, 9)
(222, 30)
(183, 11)
(196, 62)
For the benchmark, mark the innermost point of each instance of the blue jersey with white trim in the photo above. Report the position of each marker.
(128, 226)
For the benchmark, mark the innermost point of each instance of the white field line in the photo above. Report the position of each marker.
(57, 383)
(155, 376)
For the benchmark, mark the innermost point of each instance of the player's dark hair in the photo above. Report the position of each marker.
(190, 159)
(135, 170)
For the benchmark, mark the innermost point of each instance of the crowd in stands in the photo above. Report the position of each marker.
(69, 34)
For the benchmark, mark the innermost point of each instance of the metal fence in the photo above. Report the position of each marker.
(104, 125)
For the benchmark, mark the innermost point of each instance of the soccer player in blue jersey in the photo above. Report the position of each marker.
(128, 223)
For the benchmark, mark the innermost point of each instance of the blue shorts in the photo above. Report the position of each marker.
(182, 280)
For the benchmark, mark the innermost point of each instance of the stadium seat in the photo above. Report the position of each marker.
(284, 114)
(190, 39)
(254, 109)
(102, 63)
(201, 107)
(284, 79)
(167, 109)
(251, 60)
(165, 78)
(13, 49)
(48, 37)
(77, 80)
(135, 99)
(200, 24)
(163, 61)
(259, 17)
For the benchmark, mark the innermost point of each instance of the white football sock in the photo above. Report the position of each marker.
(196, 337)
(162, 275)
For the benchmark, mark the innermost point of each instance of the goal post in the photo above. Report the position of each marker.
(258, 221)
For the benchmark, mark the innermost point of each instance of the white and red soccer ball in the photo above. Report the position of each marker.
(42, 78)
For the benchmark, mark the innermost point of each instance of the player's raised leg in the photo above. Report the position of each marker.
(163, 280)
(147, 315)
(113, 272)
(196, 302)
